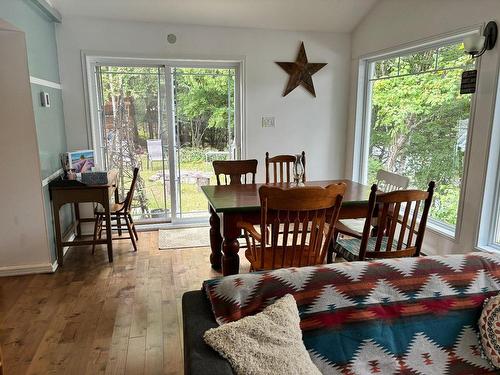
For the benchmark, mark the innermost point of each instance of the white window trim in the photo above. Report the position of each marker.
(490, 207)
(362, 118)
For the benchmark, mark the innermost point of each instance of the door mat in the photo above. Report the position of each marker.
(183, 238)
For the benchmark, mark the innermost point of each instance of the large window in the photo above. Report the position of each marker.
(417, 122)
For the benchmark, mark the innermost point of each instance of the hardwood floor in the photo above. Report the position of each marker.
(91, 317)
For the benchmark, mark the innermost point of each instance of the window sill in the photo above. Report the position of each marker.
(441, 229)
(491, 248)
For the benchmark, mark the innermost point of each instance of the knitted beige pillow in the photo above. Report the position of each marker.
(269, 342)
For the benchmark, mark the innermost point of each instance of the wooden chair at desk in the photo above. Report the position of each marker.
(118, 211)
(285, 162)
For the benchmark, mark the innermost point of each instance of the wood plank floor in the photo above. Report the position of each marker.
(92, 317)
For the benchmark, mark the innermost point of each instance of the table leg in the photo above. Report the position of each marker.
(215, 240)
(57, 224)
(109, 231)
(230, 245)
(230, 259)
(77, 219)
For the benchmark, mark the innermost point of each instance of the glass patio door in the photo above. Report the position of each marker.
(203, 115)
(172, 122)
(131, 115)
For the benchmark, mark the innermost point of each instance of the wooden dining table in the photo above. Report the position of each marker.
(229, 204)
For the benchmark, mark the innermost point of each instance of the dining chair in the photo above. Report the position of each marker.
(119, 211)
(282, 166)
(235, 172)
(400, 226)
(386, 182)
(307, 216)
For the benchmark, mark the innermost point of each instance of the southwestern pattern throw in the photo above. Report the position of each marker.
(397, 316)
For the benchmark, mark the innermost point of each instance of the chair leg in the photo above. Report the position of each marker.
(96, 227)
(101, 219)
(131, 233)
(133, 227)
(119, 224)
(331, 247)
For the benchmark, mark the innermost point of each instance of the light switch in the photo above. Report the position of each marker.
(268, 122)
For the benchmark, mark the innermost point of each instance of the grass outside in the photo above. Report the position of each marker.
(192, 198)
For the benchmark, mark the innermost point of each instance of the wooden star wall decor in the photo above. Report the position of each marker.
(300, 72)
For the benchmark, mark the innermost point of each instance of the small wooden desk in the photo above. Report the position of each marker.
(229, 204)
(61, 195)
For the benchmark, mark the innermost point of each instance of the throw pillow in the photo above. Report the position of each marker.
(269, 342)
(489, 329)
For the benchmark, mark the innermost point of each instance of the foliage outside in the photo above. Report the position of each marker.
(419, 123)
(135, 110)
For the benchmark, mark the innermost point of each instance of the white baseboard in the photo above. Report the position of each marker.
(71, 237)
(27, 269)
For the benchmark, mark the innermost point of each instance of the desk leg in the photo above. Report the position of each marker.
(109, 231)
(215, 240)
(77, 219)
(230, 245)
(57, 224)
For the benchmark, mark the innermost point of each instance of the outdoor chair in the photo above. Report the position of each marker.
(155, 152)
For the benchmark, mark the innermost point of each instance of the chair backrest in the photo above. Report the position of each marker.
(285, 170)
(398, 234)
(154, 149)
(388, 181)
(130, 194)
(301, 222)
(234, 170)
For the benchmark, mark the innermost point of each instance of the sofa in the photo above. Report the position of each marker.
(402, 316)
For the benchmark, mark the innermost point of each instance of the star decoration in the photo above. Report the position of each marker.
(300, 72)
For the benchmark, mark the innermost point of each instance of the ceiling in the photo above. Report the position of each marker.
(300, 15)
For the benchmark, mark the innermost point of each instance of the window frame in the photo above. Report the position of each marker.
(363, 119)
(489, 219)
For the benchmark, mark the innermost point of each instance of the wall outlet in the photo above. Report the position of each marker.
(268, 122)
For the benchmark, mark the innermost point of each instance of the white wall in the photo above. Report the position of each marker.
(316, 125)
(394, 23)
(23, 236)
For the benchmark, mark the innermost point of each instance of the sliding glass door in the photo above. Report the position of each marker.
(171, 121)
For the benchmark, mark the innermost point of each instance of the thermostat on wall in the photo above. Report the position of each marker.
(45, 98)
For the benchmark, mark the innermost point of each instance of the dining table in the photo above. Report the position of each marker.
(230, 204)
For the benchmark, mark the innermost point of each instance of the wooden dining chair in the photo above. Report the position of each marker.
(307, 216)
(235, 172)
(398, 233)
(282, 166)
(119, 211)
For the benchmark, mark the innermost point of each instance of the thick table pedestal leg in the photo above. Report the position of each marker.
(215, 241)
(230, 259)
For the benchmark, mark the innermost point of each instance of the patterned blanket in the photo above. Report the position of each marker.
(397, 316)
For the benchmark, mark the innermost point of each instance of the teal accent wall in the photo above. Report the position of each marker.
(40, 37)
(49, 128)
(43, 64)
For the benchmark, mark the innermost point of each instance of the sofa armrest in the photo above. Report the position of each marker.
(197, 317)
